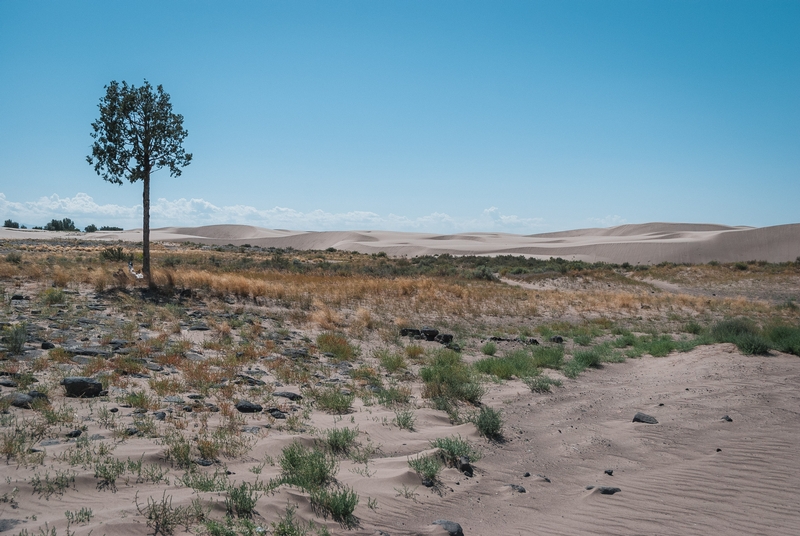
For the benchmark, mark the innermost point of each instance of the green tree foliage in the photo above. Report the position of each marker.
(136, 135)
(11, 224)
(61, 225)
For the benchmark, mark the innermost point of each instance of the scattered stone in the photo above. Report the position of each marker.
(544, 479)
(131, 430)
(727, 418)
(253, 382)
(159, 415)
(276, 413)
(589, 487)
(187, 409)
(454, 347)
(429, 333)
(203, 462)
(7, 382)
(173, 399)
(19, 400)
(295, 353)
(452, 528)
(50, 442)
(251, 430)
(719, 450)
(245, 406)
(427, 482)
(200, 326)
(557, 339)
(195, 396)
(287, 394)
(443, 338)
(609, 472)
(464, 466)
(643, 417)
(155, 367)
(114, 410)
(36, 395)
(96, 437)
(606, 490)
(527, 474)
(48, 345)
(74, 433)
(88, 351)
(518, 488)
(81, 387)
(410, 332)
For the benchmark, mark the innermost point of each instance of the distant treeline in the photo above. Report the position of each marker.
(62, 225)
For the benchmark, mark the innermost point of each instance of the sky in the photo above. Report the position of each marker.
(431, 116)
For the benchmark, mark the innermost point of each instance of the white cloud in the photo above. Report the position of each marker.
(192, 212)
(609, 221)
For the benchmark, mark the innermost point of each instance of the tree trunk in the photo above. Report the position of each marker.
(146, 231)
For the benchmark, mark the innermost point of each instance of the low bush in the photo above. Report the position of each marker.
(541, 384)
(339, 503)
(447, 376)
(784, 338)
(519, 363)
(333, 400)
(427, 467)
(337, 345)
(340, 440)
(390, 361)
(306, 468)
(489, 348)
(743, 333)
(489, 422)
(454, 447)
(551, 357)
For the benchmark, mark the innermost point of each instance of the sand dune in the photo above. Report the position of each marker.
(648, 243)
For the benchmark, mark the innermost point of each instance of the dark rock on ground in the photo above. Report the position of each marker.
(74, 433)
(527, 474)
(276, 413)
(606, 490)
(7, 382)
(427, 482)
(287, 394)
(645, 418)
(589, 487)
(199, 327)
(727, 418)
(48, 345)
(81, 387)
(243, 378)
(19, 400)
(88, 351)
(203, 462)
(173, 399)
(444, 338)
(159, 415)
(452, 528)
(518, 488)
(557, 339)
(463, 465)
(36, 395)
(410, 332)
(295, 353)
(245, 406)
(429, 333)
(609, 472)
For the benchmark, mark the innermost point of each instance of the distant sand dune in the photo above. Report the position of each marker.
(648, 243)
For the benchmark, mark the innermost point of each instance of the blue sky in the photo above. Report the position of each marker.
(432, 116)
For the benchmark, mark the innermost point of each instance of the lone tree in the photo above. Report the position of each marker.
(137, 134)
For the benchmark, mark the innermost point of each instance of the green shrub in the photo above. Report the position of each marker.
(693, 327)
(583, 359)
(583, 339)
(427, 467)
(114, 254)
(339, 503)
(393, 396)
(784, 338)
(15, 337)
(336, 344)
(551, 357)
(743, 333)
(390, 361)
(333, 400)
(340, 440)
(241, 500)
(13, 257)
(519, 363)
(447, 376)
(52, 296)
(404, 419)
(541, 384)
(489, 348)
(454, 447)
(306, 468)
(489, 422)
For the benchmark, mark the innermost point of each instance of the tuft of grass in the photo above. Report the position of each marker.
(15, 337)
(414, 352)
(53, 296)
(743, 333)
(490, 348)
(784, 338)
(551, 357)
(405, 419)
(340, 441)
(454, 447)
(241, 500)
(447, 376)
(306, 468)
(489, 422)
(337, 344)
(390, 361)
(541, 384)
(333, 400)
(339, 503)
(394, 395)
(427, 467)
(519, 363)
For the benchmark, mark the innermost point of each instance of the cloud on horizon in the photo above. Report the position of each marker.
(195, 212)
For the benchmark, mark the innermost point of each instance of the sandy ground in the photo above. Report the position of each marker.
(692, 473)
(649, 243)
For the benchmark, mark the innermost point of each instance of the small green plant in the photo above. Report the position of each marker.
(241, 500)
(339, 503)
(333, 400)
(114, 254)
(447, 376)
(289, 525)
(306, 468)
(390, 361)
(84, 515)
(427, 467)
(490, 348)
(541, 384)
(108, 470)
(405, 419)
(489, 422)
(454, 447)
(551, 357)
(15, 337)
(200, 481)
(163, 518)
(743, 333)
(53, 296)
(340, 440)
(337, 345)
(393, 396)
(47, 486)
(519, 363)
(13, 257)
